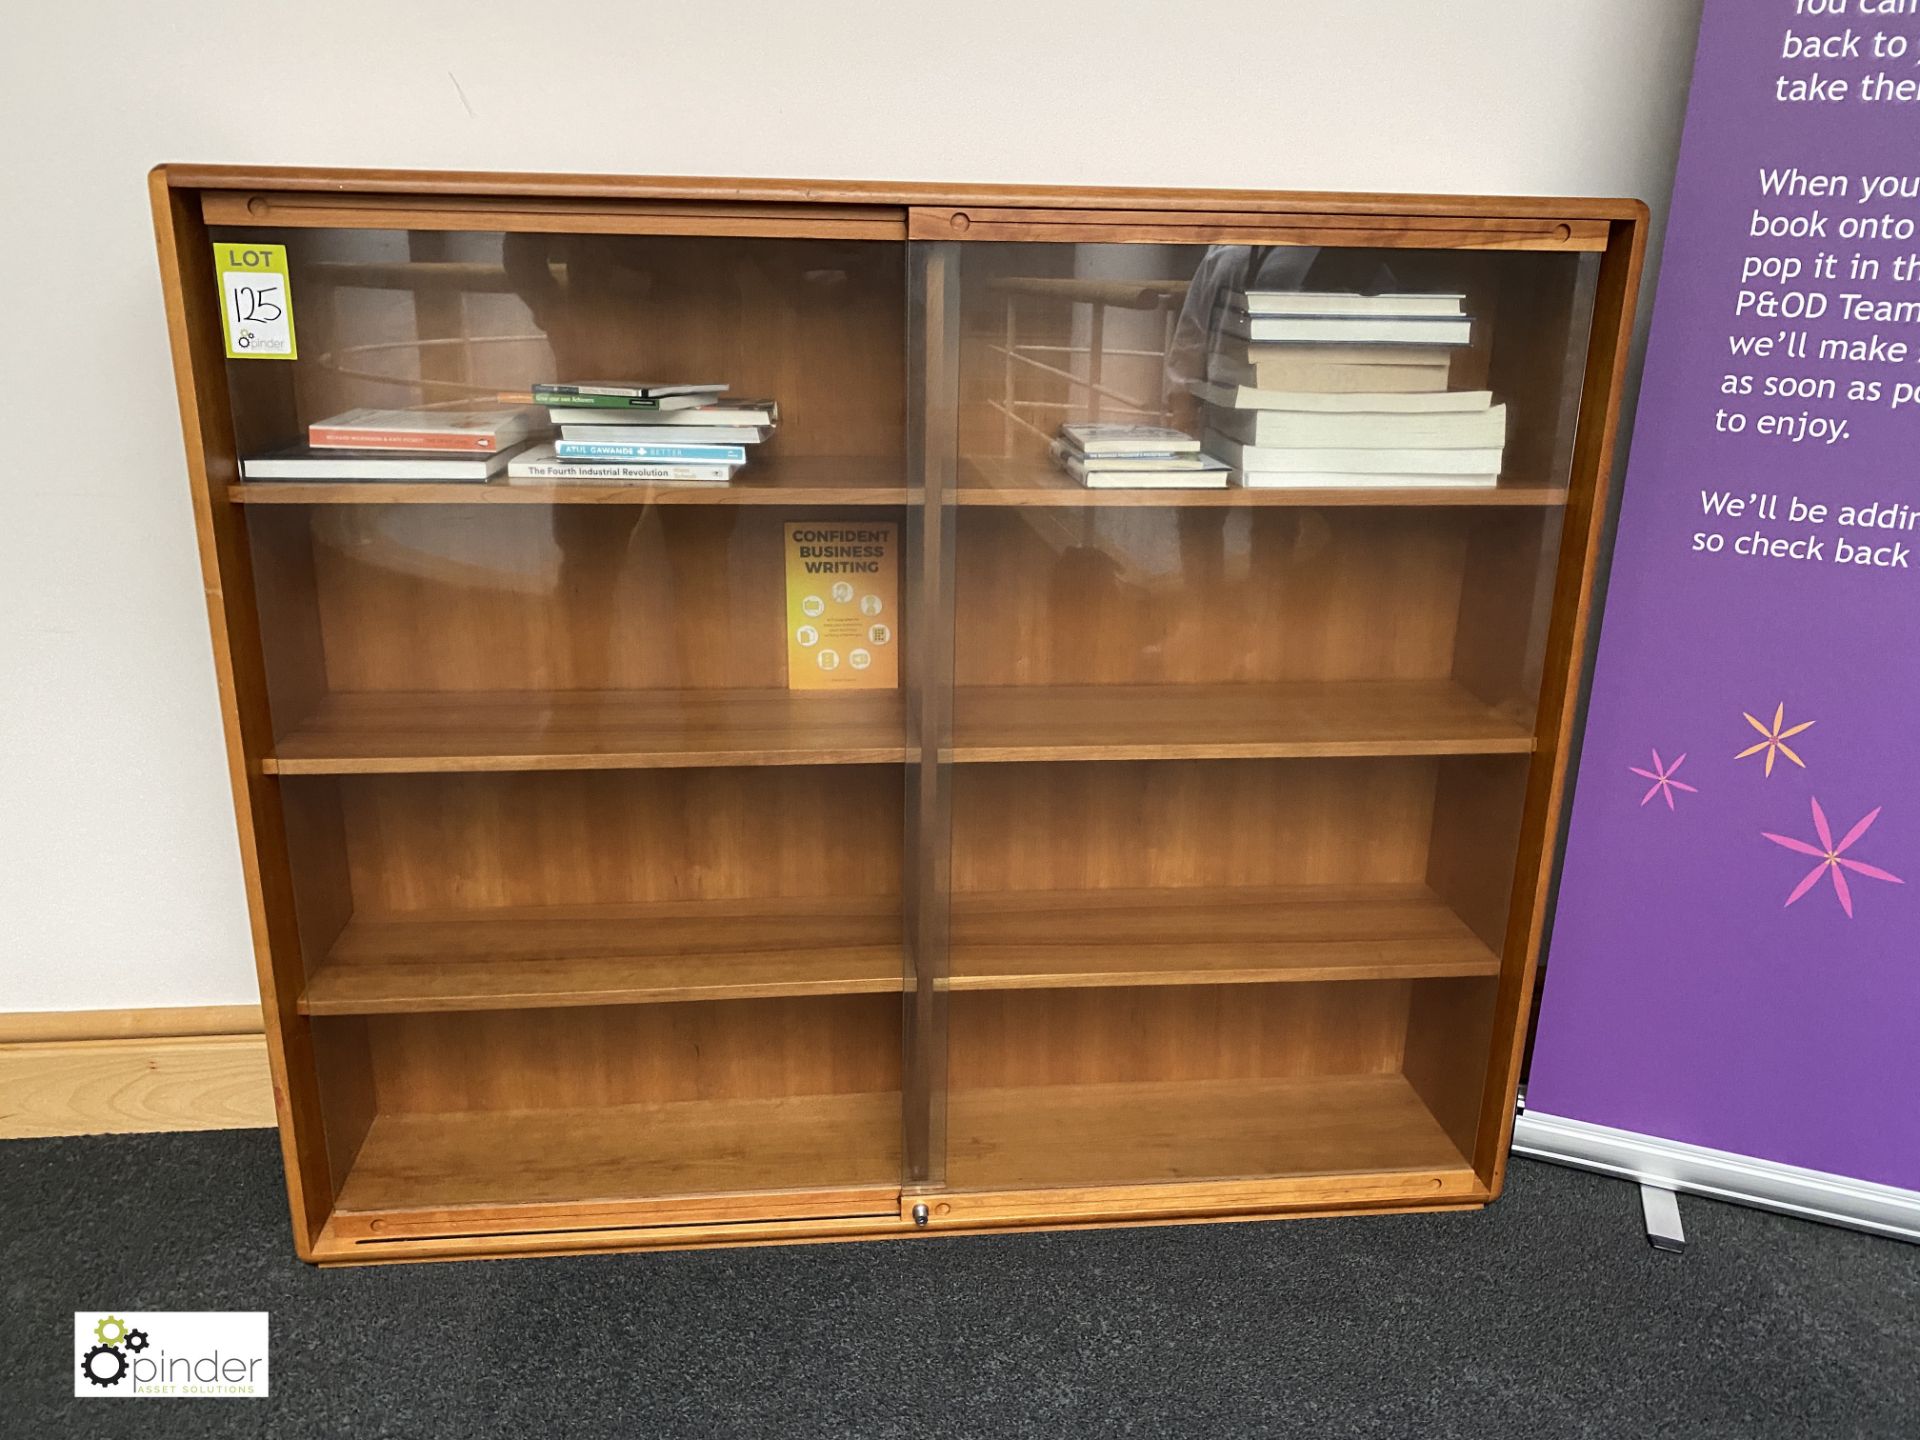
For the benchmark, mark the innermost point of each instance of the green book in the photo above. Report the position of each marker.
(617, 396)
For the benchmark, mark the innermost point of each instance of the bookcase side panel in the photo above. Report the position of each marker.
(193, 316)
(1564, 668)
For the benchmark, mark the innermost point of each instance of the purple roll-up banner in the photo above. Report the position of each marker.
(1734, 962)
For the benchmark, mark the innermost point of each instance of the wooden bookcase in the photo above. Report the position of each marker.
(1195, 870)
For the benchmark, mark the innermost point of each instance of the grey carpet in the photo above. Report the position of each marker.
(1545, 1316)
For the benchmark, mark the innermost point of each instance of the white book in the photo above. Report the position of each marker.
(1096, 438)
(1341, 302)
(1333, 377)
(1064, 454)
(1346, 480)
(1294, 429)
(1353, 460)
(306, 462)
(1345, 329)
(538, 463)
(1325, 402)
(1263, 353)
(723, 411)
(1211, 476)
(667, 434)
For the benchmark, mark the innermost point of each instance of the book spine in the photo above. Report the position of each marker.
(605, 450)
(551, 470)
(568, 400)
(438, 440)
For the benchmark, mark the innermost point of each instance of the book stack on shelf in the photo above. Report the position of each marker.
(1125, 457)
(1338, 391)
(424, 445)
(657, 434)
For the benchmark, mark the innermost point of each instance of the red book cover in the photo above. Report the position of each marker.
(466, 432)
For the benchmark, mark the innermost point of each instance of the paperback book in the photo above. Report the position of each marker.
(648, 451)
(668, 434)
(1355, 460)
(1337, 402)
(725, 411)
(1346, 329)
(1063, 454)
(1290, 429)
(539, 463)
(1345, 480)
(1094, 438)
(1208, 474)
(626, 395)
(1343, 302)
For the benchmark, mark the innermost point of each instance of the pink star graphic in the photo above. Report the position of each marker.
(1663, 781)
(1833, 859)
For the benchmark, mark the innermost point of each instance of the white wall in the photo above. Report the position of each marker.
(119, 871)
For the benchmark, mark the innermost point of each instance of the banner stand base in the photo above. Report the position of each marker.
(1672, 1165)
(1660, 1209)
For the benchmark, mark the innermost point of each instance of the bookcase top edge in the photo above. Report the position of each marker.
(776, 190)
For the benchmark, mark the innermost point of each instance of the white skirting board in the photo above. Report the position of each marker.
(1720, 1174)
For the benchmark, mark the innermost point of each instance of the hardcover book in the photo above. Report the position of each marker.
(461, 431)
(304, 462)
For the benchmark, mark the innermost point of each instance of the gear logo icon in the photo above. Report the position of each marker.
(109, 1361)
(104, 1365)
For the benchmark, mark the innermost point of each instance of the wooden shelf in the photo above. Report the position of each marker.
(608, 955)
(992, 480)
(1199, 722)
(822, 1150)
(1084, 1135)
(401, 732)
(791, 480)
(1049, 940)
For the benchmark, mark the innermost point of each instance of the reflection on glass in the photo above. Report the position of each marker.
(1239, 760)
(599, 888)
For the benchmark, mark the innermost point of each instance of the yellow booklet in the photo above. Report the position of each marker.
(843, 605)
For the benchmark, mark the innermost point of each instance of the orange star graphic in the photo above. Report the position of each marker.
(1776, 738)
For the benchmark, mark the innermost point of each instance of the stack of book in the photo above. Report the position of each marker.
(659, 434)
(1313, 390)
(421, 445)
(1126, 457)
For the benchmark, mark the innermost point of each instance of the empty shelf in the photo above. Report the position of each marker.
(603, 955)
(1035, 940)
(825, 1145)
(1197, 722)
(1088, 1135)
(396, 732)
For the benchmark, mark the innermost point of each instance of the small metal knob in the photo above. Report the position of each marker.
(920, 1213)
